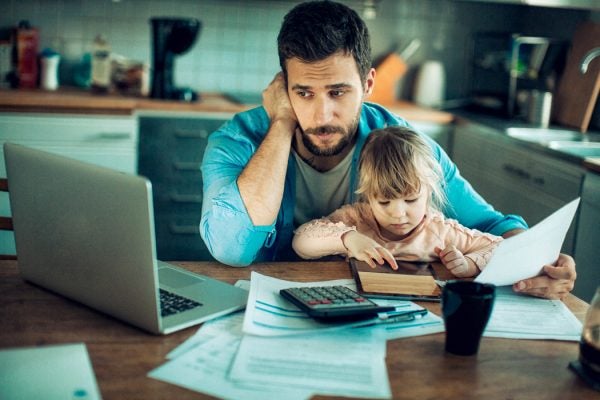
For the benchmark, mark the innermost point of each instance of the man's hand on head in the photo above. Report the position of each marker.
(276, 102)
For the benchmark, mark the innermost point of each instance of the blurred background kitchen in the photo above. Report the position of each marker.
(236, 48)
(498, 83)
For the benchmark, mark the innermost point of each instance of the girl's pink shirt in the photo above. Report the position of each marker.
(323, 237)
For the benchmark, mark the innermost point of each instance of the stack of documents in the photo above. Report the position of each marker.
(274, 350)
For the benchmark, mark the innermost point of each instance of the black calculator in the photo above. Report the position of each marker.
(333, 303)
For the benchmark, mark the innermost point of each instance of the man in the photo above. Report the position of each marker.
(295, 158)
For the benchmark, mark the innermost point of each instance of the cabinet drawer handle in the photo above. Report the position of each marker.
(538, 180)
(187, 165)
(114, 135)
(191, 134)
(184, 229)
(516, 171)
(186, 198)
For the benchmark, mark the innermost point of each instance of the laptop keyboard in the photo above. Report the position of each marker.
(171, 303)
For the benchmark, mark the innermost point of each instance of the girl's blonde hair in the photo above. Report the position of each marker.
(395, 162)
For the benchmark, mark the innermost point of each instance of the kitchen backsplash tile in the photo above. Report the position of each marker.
(236, 49)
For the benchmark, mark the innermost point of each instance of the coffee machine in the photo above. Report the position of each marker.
(171, 37)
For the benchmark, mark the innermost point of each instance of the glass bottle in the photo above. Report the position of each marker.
(101, 65)
(589, 345)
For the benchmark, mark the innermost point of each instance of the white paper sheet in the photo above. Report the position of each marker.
(52, 372)
(231, 323)
(349, 363)
(518, 316)
(205, 368)
(523, 256)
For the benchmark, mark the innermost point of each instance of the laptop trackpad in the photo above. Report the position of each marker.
(176, 279)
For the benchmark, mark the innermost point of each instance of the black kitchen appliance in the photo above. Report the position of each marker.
(507, 66)
(171, 37)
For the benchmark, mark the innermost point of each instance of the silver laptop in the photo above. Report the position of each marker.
(87, 233)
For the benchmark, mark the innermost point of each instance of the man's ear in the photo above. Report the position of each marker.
(370, 81)
(284, 73)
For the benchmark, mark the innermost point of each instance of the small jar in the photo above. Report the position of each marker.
(540, 107)
(49, 76)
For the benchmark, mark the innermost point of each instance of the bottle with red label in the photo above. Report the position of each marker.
(26, 43)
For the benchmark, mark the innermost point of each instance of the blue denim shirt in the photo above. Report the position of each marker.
(233, 239)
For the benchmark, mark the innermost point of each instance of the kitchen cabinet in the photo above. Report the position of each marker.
(106, 140)
(588, 232)
(170, 154)
(513, 179)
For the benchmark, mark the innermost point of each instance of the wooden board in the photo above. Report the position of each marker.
(577, 93)
(388, 72)
(373, 282)
(414, 113)
(411, 281)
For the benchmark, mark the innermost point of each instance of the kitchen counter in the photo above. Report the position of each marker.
(592, 163)
(412, 112)
(79, 101)
(500, 125)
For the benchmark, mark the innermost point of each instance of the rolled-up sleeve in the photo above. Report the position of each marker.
(225, 226)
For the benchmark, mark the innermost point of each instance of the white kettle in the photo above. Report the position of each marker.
(430, 84)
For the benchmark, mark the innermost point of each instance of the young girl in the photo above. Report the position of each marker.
(398, 215)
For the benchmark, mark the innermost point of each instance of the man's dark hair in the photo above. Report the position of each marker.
(315, 30)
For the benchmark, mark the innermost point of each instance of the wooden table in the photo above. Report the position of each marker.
(418, 367)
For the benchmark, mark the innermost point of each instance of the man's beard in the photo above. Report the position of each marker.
(347, 137)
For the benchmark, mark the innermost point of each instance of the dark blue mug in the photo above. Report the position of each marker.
(466, 309)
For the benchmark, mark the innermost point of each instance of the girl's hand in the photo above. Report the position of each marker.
(459, 265)
(365, 249)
